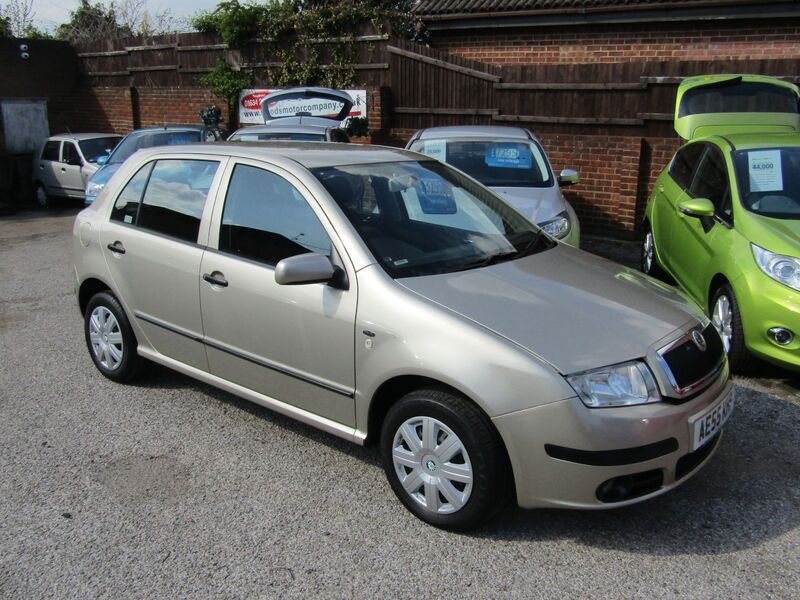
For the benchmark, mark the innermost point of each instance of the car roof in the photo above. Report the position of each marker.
(277, 127)
(82, 136)
(750, 141)
(473, 131)
(197, 128)
(310, 155)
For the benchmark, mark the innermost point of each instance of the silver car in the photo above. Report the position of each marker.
(511, 162)
(387, 298)
(64, 163)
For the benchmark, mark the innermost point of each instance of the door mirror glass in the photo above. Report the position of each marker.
(304, 268)
(568, 177)
(697, 207)
(101, 160)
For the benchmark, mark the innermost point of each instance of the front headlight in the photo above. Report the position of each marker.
(783, 269)
(93, 189)
(625, 384)
(558, 227)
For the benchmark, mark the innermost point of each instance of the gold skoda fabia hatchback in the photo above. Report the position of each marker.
(386, 298)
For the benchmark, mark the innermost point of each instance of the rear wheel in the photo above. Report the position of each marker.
(110, 339)
(444, 460)
(42, 197)
(727, 321)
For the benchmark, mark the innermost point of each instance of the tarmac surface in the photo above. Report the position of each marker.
(172, 489)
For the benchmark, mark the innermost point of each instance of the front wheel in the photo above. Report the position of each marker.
(649, 264)
(110, 339)
(444, 460)
(727, 321)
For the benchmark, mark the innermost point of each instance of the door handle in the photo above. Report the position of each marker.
(661, 188)
(63, 169)
(117, 247)
(216, 278)
(41, 167)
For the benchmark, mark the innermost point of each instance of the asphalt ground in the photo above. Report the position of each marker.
(172, 489)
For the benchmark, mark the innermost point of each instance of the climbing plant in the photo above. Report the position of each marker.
(300, 34)
(226, 83)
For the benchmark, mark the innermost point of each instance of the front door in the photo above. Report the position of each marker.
(68, 171)
(154, 243)
(293, 343)
(696, 241)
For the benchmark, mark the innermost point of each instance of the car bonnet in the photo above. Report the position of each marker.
(574, 310)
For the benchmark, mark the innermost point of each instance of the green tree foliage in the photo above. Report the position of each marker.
(92, 22)
(16, 20)
(293, 30)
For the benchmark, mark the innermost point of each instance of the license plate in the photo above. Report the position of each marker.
(706, 424)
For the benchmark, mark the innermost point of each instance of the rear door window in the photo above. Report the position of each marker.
(175, 197)
(126, 207)
(685, 163)
(50, 151)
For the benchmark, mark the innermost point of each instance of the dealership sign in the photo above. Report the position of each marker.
(250, 106)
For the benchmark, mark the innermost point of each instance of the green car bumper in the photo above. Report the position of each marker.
(764, 303)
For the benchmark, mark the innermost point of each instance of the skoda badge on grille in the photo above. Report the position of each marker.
(699, 341)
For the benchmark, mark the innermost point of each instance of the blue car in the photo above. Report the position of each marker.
(169, 135)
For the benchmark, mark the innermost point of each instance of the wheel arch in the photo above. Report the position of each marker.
(88, 288)
(716, 282)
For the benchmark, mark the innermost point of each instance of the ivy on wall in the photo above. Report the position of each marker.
(295, 31)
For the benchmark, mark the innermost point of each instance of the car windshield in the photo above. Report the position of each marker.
(132, 143)
(265, 137)
(424, 218)
(492, 162)
(768, 181)
(94, 148)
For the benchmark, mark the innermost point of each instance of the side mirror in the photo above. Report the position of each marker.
(101, 160)
(304, 268)
(568, 177)
(696, 207)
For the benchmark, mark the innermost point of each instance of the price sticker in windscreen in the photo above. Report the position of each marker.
(765, 171)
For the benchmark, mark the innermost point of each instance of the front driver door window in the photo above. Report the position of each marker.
(292, 343)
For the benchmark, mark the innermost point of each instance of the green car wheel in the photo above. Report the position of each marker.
(727, 320)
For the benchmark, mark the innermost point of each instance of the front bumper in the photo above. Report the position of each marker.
(764, 303)
(656, 437)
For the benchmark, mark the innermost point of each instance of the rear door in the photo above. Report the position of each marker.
(68, 172)
(49, 162)
(154, 242)
(293, 343)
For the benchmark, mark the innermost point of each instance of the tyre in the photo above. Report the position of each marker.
(444, 460)
(649, 262)
(727, 320)
(110, 338)
(42, 197)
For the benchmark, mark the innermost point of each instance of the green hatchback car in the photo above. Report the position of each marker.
(724, 217)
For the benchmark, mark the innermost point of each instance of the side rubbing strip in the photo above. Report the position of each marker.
(174, 329)
(612, 458)
(258, 361)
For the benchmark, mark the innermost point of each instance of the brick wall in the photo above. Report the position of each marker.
(620, 43)
(157, 106)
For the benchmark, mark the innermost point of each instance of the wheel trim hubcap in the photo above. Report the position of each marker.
(722, 318)
(105, 336)
(432, 465)
(648, 251)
